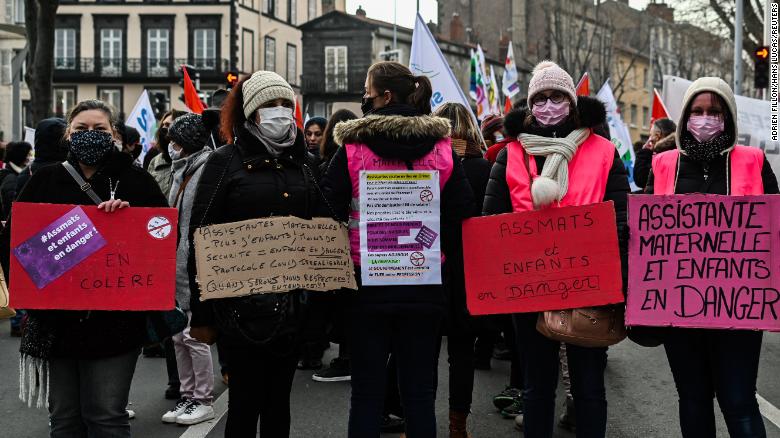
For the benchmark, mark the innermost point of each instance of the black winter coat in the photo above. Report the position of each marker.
(79, 334)
(246, 182)
(642, 165)
(402, 135)
(590, 113)
(696, 177)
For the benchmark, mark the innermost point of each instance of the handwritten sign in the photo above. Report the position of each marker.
(72, 257)
(704, 261)
(557, 258)
(271, 255)
(400, 227)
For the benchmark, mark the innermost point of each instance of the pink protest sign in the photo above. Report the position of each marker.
(704, 261)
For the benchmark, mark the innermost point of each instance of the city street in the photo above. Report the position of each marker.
(639, 385)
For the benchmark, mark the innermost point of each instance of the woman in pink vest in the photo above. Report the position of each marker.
(707, 363)
(397, 133)
(558, 160)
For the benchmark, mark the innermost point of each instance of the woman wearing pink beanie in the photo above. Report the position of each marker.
(557, 160)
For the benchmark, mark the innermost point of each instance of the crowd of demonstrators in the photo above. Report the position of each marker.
(84, 360)
(245, 158)
(713, 363)
(661, 139)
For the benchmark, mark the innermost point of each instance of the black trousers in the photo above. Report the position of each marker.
(260, 385)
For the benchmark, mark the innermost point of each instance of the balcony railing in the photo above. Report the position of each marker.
(162, 68)
(334, 84)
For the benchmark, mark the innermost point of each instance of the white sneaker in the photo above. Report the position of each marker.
(181, 406)
(195, 413)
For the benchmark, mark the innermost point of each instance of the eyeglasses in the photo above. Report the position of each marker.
(541, 99)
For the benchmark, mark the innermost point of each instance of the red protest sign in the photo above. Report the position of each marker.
(72, 257)
(553, 259)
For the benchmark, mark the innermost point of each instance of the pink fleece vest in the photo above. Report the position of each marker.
(745, 166)
(361, 157)
(588, 173)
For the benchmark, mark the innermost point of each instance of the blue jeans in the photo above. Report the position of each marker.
(722, 363)
(88, 397)
(411, 332)
(586, 367)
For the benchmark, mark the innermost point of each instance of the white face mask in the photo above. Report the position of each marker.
(175, 155)
(275, 122)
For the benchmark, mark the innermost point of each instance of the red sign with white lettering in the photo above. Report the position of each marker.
(552, 259)
(71, 257)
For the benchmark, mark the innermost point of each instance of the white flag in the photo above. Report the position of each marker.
(426, 59)
(509, 83)
(618, 131)
(142, 119)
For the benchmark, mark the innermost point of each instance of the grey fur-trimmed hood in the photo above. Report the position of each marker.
(392, 128)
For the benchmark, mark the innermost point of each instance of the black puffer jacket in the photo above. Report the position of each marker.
(86, 334)
(246, 182)
(590, 113)
(400, 134)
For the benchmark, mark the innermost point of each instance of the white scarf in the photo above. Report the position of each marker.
(553, 183)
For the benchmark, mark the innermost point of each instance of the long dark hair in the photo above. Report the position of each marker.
(404, 86)
(328, 146)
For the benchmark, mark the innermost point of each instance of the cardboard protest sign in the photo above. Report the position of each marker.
(400, 227)
(704, 261)
(72, 257)
(556, 258)
(268, 255)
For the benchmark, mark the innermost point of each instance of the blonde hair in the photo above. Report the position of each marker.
(463, 126)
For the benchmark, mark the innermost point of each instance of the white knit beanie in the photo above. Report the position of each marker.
(264, 86)
(547, 75)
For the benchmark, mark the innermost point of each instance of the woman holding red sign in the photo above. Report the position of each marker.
(707, 362)
(84, 360)
(559, 161)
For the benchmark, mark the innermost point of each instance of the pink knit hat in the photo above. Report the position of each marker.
(547, 75)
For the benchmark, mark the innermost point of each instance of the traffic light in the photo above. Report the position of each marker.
(231, 79)
(159, 104)
(761, 67)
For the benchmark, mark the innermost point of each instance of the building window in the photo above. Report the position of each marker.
(270, 54)
(633, 114)
(111, 96)
(312, 9)
(336, 69)
(65, 49)
(292, 64)
(247, 51)
(645, 117)
(18, 11)
(6, 60)
(292, 11)
(644, 77)
(157, 50)
(205, 55)
(269, 7)
(111, 52)
(64, 100)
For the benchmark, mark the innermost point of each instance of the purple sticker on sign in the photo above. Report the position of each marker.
(58, 247)
(426, 236)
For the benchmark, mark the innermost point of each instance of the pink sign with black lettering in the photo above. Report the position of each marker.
(704, 261)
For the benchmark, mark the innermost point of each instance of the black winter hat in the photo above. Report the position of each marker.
(49, 140)
(189, 132)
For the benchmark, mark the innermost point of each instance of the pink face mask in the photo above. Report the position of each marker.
(705, 128)
(550, 113)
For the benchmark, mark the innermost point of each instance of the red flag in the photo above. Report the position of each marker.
(191, 98)
(659, 109)
(583, 86)
(507, 105)
(298, 115)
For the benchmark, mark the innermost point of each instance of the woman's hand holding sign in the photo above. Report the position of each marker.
(113, 205)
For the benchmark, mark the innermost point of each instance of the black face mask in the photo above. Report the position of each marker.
(367, 105)
(91, 147)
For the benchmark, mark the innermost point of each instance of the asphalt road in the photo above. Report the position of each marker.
(641, 394)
